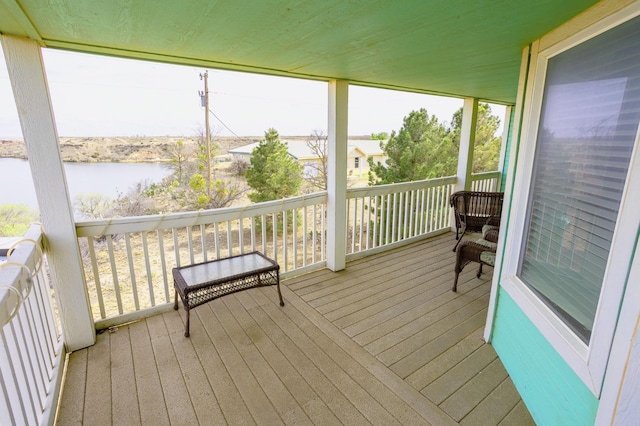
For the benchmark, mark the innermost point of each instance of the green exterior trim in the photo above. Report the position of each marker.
(551, 390)
(507, 151)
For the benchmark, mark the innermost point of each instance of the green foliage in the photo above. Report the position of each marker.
(487, 146)
(273, 174)
(197, 183)
(411, 151)
(178, 162)
(189, 187)
(425, 148)
(382, 136)
(15, 219)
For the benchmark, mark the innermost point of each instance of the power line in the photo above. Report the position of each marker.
(225, 126)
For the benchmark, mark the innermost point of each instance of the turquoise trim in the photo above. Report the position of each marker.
(553, 393)
(509, 142)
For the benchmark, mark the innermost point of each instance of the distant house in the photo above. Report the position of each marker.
(359, 151)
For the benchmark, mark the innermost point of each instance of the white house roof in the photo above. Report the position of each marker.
(299, 149)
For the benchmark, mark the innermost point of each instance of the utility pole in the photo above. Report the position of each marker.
(204, 99)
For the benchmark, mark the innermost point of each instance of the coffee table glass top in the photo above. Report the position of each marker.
(224, 268)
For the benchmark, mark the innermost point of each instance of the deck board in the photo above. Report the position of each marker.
(383, 342)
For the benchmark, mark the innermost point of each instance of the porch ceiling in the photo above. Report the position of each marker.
(452, 47)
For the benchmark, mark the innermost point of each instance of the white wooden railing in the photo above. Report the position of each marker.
(128, 261)
(486, 182)
(31, 346)
(382, 217)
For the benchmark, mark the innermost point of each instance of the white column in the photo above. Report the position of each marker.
(337, 179)
(31, 92)
(467, 140)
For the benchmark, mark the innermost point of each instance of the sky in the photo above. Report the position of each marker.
(96, 95)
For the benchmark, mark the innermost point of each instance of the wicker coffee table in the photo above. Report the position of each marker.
(203, 282)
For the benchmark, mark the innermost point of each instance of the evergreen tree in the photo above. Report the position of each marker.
(273, 174)
(412, 151)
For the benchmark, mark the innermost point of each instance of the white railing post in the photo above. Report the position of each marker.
(337, 179)
(467, 142)
(28, 79)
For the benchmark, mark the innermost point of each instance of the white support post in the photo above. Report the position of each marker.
(465, 153)
(467, 142)
(31, 92)
(337, 178)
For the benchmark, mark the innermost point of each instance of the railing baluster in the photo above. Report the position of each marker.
(176, 246)
(435, 208)
(216, 236)
(368, 228)
(163, 263)
(13, 395)
(264, 233)
(47, 321)
(145, 251)
(229, 240)
(132, 272)
(394, 218)
(361, 202)
(285, 239)
(440, 208)
(96, 276)
(411, 217)
(323, 230)
(114, 274)
(190, 245)
(203, 242)
(252, 225)
(35, 352)
(420, 214)
(294, 245)
(27, 377)
(354, 212)
(314, 225)
(305, 230)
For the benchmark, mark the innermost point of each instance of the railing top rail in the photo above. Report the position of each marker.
(486, 175)
(399, 187)
(26, 254)
(175, 220)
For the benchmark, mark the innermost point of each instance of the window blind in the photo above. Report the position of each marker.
(588, 128)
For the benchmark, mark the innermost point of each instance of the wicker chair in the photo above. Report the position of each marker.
(474, 209)
(482, 251)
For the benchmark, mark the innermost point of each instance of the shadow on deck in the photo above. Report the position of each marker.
(383, 342)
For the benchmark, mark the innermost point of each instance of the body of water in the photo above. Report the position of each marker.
(110, 179)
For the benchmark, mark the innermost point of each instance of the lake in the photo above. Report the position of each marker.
(109, 179)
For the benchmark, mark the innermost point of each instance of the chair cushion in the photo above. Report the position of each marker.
(489, 256)
(487, 244)
(487, 228)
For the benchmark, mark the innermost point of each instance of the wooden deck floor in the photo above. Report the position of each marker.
(383, 342)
